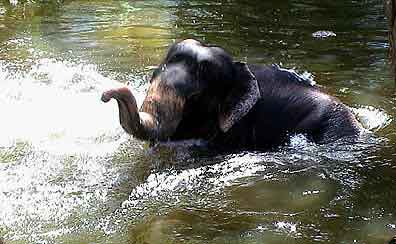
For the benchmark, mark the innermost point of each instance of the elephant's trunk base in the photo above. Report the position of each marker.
(139, 124)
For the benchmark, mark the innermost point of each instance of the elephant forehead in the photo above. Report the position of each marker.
(203, 53)
(178, 77)
(162, 90)
(191, 48)
(174, 73)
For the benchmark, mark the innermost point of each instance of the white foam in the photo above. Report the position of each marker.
(216, 176)
(372, 118)
(286, 226)
(57, 105)
(50, 189)
(299, 141)
(304, 77)
(14, 2)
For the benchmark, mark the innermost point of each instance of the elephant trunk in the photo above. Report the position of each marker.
(141, 125)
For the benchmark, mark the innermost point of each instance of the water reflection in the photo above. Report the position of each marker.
(68, 174)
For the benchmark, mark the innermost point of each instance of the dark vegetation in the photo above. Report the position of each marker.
(390, 12)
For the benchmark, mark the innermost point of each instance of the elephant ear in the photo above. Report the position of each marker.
(242, 97)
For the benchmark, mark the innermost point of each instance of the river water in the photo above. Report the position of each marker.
(69, 174)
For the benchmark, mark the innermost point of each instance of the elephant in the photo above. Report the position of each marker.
(200, 92)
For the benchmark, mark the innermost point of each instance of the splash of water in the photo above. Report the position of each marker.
(372, 118)
(215, 176)
(56, 105)
(55, 137)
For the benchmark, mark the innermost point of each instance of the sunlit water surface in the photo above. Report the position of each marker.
(69, 174)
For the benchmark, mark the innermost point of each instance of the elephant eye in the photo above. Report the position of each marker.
(156, 72)
(176, 58)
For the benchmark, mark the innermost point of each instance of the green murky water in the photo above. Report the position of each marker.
(69, 174)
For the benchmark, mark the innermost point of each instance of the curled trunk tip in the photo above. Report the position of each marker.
(115, 93)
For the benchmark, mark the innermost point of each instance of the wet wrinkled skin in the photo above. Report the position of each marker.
(199, 92)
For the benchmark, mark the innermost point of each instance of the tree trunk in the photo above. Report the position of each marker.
(390, 12)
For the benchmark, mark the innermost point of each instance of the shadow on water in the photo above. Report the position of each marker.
(69, 174)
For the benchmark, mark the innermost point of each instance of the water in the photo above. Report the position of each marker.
(69, 174)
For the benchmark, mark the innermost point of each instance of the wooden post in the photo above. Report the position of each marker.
(390, 12)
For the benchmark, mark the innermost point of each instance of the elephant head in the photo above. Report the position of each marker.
(193, 77)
